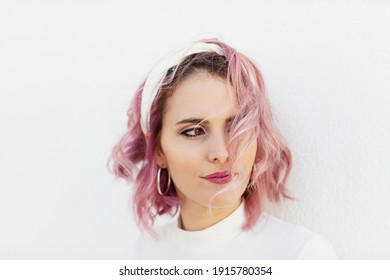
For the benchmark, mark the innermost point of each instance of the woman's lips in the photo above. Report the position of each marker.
(219, 177)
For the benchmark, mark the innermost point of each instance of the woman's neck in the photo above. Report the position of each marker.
(198, 217)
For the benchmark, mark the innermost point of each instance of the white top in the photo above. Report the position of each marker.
(271, 238)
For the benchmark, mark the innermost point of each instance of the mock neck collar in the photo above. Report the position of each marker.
(213, 237)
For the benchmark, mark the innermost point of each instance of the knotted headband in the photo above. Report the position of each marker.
(158, 73)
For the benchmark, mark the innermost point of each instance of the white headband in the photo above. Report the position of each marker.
(158, 73)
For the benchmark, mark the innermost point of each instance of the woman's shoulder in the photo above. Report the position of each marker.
(282, 228)
(301, 241)
(151, 244)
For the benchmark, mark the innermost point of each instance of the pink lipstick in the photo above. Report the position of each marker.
(219, 177)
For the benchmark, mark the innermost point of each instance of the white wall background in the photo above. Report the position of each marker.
(68, 72)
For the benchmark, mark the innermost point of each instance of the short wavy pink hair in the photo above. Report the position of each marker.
(133, 157)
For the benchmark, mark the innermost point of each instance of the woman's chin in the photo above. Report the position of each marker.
(225, 201)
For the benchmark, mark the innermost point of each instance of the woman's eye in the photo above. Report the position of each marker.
(193, 132)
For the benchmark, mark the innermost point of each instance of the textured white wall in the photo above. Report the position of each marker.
(69, 71)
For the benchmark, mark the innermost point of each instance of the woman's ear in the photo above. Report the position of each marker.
(159, 155)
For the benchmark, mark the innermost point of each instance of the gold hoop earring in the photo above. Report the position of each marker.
(158, 183)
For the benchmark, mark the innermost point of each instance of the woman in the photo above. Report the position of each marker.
(201, 143)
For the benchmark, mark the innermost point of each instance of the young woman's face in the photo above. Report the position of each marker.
(193, 142)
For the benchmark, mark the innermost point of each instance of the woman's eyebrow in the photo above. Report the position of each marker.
(192, 120)
(198, 121)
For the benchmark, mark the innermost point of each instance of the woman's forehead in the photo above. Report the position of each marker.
(204, 96)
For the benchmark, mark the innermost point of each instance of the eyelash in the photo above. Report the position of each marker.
(194, 129)
(186, 132)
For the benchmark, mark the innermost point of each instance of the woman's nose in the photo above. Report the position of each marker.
(218, 148)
